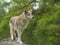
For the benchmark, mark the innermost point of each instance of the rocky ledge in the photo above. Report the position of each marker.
(9, 42)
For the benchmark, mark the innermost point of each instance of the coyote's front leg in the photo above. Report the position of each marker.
(19, 36)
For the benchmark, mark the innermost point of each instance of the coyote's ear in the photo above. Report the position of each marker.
(25, 11)
(30, 11)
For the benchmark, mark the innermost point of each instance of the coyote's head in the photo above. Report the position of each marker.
(28, 14)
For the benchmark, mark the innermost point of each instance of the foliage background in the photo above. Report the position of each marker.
(43, 29)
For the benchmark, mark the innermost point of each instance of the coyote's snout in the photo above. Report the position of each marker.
(18, 24)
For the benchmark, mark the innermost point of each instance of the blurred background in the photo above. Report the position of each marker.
(43, 29)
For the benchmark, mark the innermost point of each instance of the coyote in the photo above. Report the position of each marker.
(18, 24)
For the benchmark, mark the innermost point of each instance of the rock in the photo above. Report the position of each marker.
(9, 42)
(5, 42)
